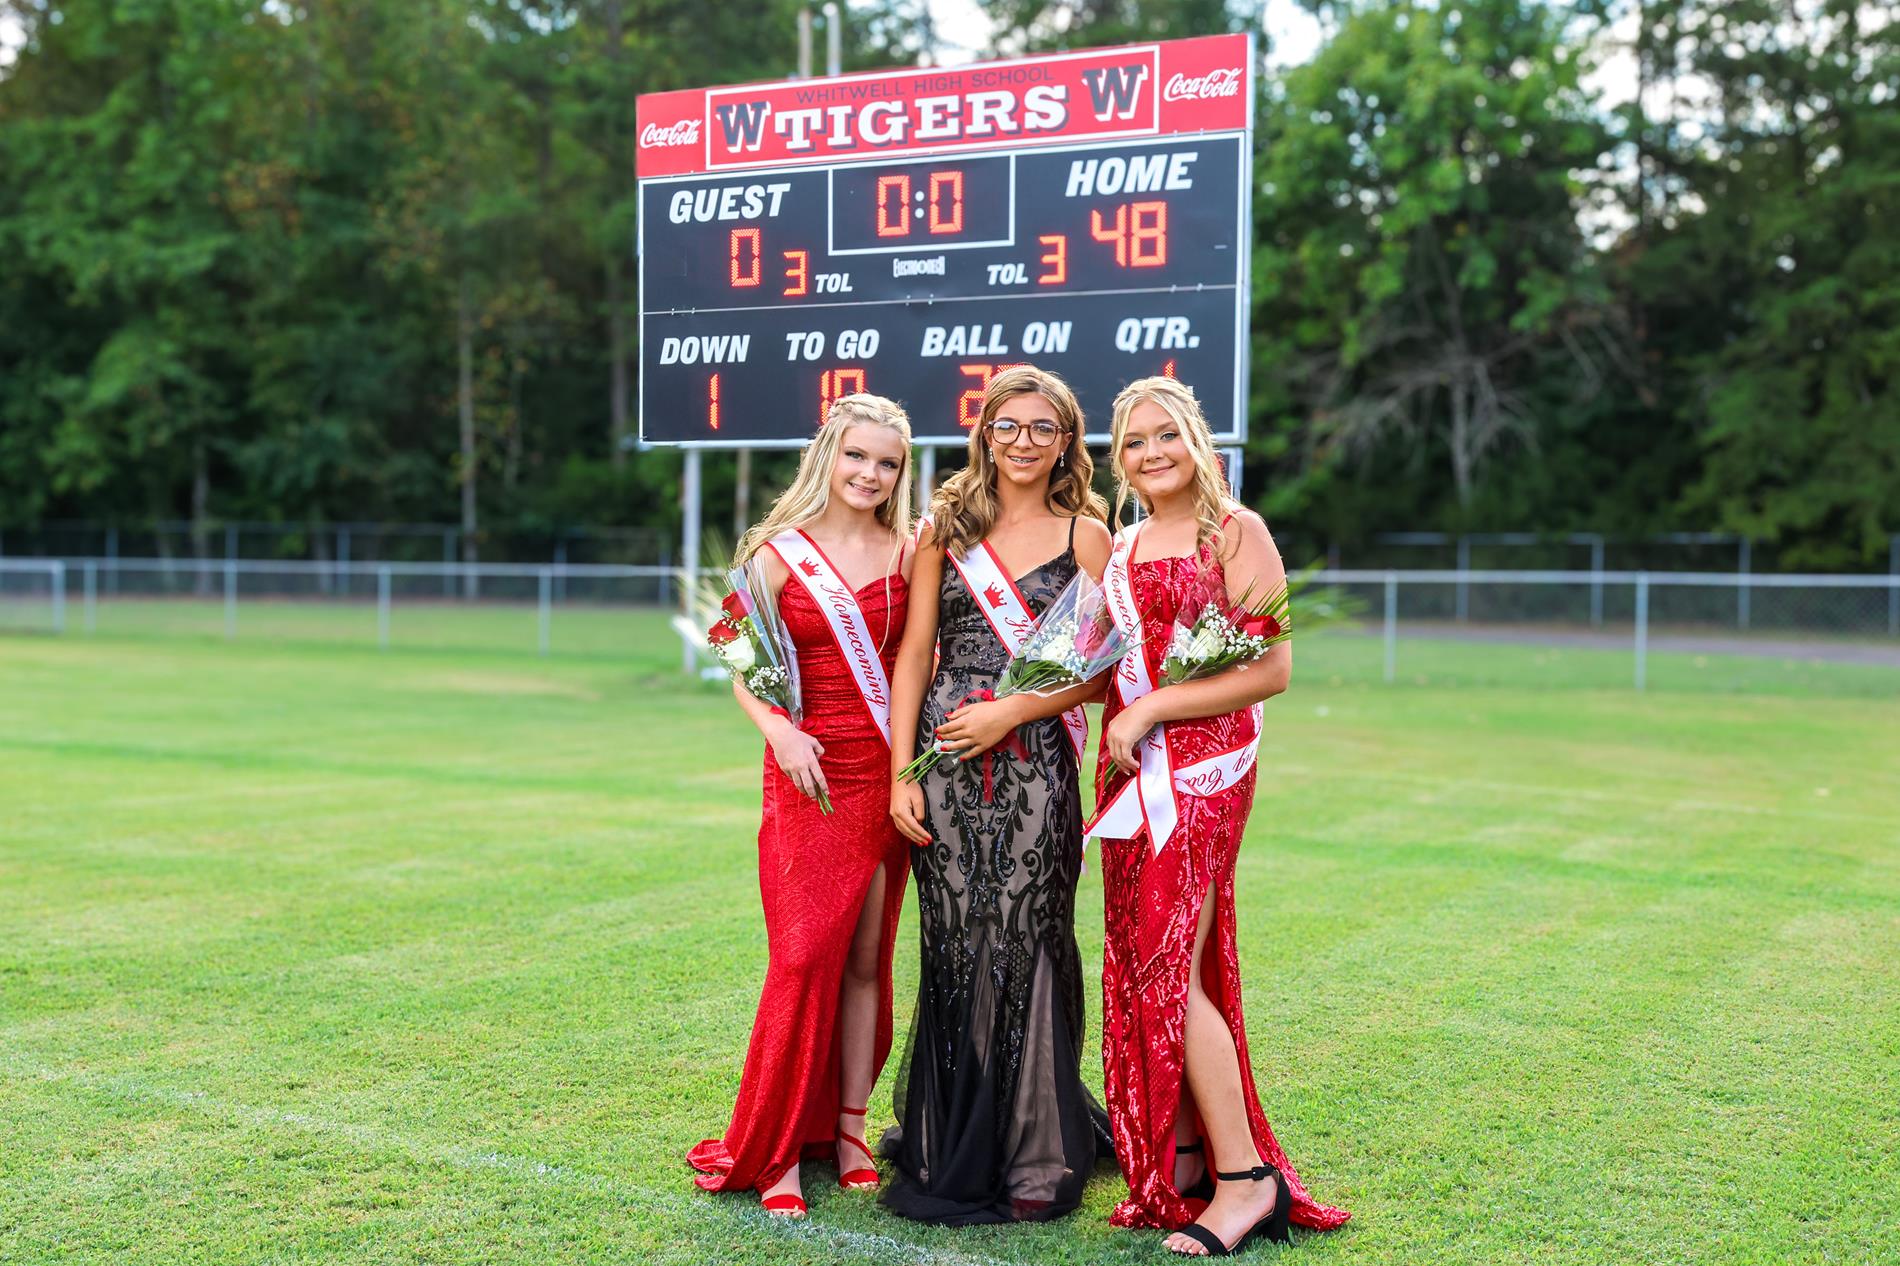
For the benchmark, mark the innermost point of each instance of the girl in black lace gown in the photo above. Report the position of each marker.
(994, 1122)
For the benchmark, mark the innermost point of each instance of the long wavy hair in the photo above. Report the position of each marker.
(810, 491)
(1213, 501)
(965, 507)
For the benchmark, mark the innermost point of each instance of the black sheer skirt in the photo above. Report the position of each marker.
(995, 1124)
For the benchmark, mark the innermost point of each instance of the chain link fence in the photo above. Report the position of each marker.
(183, 541)
(578, 608)
(1542, 629)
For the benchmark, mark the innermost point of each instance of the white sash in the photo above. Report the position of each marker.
(1002, 604)
(1149, 798)
(834, 599)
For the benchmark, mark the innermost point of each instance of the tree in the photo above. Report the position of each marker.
(1774, 272)
(1424, 296)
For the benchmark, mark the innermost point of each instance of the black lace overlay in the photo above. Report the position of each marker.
(994, 1122)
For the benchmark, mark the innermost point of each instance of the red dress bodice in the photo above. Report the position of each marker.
(829, 693)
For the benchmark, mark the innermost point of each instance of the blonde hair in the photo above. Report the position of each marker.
(964, 508)
(810, 491)
(1212, 499)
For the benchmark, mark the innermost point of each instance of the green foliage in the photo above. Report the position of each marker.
(1424, 296)
(1778, 255)
(243, 244)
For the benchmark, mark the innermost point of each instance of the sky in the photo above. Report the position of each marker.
(963, 31)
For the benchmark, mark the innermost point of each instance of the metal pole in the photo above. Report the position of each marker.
(382, 607)
(1391, 627)
(1596, 583)
(834, 41)
(343, 559)
(92, 595)
(689, 547)
(448, 563)
(927, 477)
(112, 553)
(547, 605)
(230, 540)
(230, 598)
(560, 561)
(1742, 591)
(804, 43)
(1642, 629)
(741, 492)
(59, 597)
(1893, 593)
(1464, 589)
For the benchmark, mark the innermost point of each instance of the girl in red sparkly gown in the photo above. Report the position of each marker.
(836, 561)
(1182, 1101)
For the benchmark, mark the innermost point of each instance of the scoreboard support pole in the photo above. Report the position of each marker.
(927, 477)
(689, 548)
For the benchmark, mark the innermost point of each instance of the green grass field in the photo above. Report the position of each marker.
(310, 952)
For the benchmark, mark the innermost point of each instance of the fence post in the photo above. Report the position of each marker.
(59, 597)
(230, 598)
(560, 561)
(1464, 588)
(547, 594)
(230, 540)
(1893, 591)
(112, 555)
(1391, 626)
(448, 563)
(1596, 583)
(1642, 630)
(382, 607)
(1742, 590)
(91, 603)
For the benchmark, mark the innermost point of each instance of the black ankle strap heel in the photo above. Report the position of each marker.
(1273, 1226)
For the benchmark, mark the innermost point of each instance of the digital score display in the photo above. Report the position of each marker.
(912, 233)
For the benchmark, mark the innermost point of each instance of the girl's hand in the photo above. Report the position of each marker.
(1124, 733)
(907, 810)
(975, 728)
(797, 755)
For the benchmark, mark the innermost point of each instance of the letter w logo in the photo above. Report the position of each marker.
(743, 123)
(1114, 90)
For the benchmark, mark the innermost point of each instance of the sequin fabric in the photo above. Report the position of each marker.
(1152, 906)
(995, 1124)
(814, 872)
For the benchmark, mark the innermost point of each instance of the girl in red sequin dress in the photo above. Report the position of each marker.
(1179, 1083)
(837, 560)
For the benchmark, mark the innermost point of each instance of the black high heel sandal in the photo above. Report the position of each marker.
(1204, 1188)
(1273, 1226)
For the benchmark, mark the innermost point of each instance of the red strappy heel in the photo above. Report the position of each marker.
(856, 1179)
(785, 1206)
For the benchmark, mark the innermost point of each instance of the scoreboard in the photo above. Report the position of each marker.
(912, 232)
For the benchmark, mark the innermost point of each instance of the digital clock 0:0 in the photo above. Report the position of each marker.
(922, 205)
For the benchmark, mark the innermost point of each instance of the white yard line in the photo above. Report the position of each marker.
(685, 1208)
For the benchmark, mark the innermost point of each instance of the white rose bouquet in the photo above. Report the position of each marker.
(1220, 635)
(751, 641)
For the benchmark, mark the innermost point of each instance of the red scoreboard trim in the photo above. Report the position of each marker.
(1176, 86)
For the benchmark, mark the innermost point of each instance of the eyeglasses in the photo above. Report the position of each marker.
(1041, 434)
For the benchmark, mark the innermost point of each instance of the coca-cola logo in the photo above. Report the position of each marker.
(1219, 83)
(685, 132)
